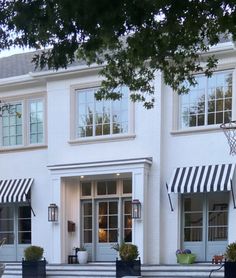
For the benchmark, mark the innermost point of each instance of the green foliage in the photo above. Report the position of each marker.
(128, 252)
(133, 39)
(33, 253)
(230, 253)
(82, 248)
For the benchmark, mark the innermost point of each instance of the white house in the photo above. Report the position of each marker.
(58, 145)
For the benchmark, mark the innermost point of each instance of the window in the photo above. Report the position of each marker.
(7, 224)
(36, 121)
(87, 222)
(12, 125)
(209, 102)
(25, 117)
(86, 188)
(127, 221)
(106, 187)
(100, 118)
(24, 225)
(127, 186)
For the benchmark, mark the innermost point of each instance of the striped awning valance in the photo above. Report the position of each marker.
(209, 178)
(14, 190)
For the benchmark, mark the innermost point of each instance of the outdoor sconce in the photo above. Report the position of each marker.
(53, 213)
(136, 209)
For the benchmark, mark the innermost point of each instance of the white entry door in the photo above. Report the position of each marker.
(205, 224)
(107, 229)
(15, 226)
(112, 222)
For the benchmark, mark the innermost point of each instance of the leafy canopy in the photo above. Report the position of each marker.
(133, 38)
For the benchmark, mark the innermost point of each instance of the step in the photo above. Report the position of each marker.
(107, 270)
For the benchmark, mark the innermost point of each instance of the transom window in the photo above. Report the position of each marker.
(106, 188)
(25, 117)
(209, 102)
(99, 118)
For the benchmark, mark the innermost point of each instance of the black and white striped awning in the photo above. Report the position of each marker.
(209, 178)
(14, 190)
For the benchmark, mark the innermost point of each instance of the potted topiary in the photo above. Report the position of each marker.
(230, 263)
(32, 264)
(127, 265)
(82, 254)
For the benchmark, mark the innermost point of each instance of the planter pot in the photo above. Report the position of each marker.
(128, 268)
(2, 267)
(82, 257)
(186, 258)
(230, 269)
(34, 269)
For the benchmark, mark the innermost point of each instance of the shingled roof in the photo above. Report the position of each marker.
(21, 64)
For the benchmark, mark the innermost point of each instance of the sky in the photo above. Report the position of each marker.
(12, 51)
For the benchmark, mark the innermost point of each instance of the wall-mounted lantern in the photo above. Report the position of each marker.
(136, 209)
(53, 213)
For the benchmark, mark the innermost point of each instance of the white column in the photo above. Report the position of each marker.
(139, 185)
(55, 226)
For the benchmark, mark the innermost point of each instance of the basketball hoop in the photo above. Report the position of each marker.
(230, 133)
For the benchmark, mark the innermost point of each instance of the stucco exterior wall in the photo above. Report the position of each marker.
(182, 149)
(155, 135)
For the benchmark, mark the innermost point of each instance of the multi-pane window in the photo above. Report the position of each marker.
(218, 219)
(7, 224)
(87, 222)
(24, 225)
(108, 221)
(193, 219)
(106, 187)
(127, 221)
(209, 102)
(98, 118)
(36, 121)
(12, 125)
(25, 117)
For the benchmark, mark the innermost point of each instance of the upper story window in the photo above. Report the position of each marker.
(99, 118)
(22, 124)
(208, 103)
(12, 131)
(36, 131)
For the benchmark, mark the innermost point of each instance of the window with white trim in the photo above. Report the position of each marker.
(24, 117)
(208, 103)
(100, 118)
(12, 126)
(36, 121)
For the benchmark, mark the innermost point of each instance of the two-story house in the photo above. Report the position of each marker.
(59, 145)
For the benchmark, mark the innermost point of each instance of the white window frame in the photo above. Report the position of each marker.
(28, 120)
(74, 139)
(94, 195)
(22, 124)
(25, 101)
(176, 116)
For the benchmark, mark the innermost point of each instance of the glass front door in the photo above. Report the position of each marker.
(205, 224)
(112, 222)
(107, 229)
(15, 227)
